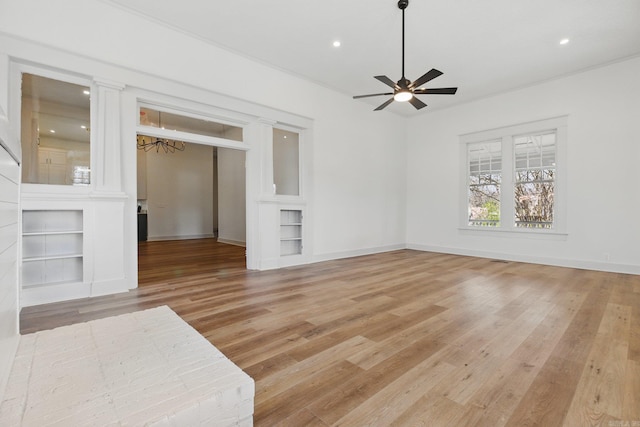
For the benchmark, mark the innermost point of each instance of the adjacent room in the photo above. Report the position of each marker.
(356, 213)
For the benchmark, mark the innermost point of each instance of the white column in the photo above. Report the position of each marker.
(107, 225)
(106, 172)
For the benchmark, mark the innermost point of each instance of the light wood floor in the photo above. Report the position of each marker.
(403, 338)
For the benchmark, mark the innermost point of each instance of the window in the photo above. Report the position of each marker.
(485, 176)
(167, 120)
(55, 131)
(286, 162)
(535, 164)
(511, 177)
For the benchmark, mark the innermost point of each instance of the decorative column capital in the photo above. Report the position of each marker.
(265, 121)
(108, 84)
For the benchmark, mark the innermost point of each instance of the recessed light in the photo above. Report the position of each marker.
(83, 127)
(86, 92)
(564, 41)
(52, 131)
(336, 43)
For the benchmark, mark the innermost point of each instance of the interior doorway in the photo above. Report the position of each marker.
(191, 197)
(191, 212)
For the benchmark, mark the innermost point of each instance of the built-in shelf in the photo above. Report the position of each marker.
(45, 258)
(52, 247)
(51, 233)
(290, 232)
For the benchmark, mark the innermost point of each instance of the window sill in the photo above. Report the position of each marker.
(514, 233)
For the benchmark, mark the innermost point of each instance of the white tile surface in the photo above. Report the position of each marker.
(138, 369)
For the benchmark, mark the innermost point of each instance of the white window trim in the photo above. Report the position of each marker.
(506, 134)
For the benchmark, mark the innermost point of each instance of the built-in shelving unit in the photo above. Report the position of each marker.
(290, 232)
(52, 248)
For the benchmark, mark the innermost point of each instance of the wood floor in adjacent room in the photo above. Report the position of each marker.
(404, 338)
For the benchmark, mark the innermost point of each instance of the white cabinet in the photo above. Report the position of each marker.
(290, 232)
(52, 247)
(52, 166)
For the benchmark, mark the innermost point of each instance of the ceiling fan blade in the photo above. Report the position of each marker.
(373, 94)
(386, 80)
(429, 75)
(384, 105)
(437, 91)
(417, 103)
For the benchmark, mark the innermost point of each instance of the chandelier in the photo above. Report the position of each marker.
(148, 143)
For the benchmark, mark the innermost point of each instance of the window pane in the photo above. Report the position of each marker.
(286, 162)
(484, 186)
(548, 158)
(55, 131)
(164, 120)
(534, 187)
(484, 205)
(521, 162)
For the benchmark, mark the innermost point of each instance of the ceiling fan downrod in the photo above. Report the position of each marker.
(403, 4)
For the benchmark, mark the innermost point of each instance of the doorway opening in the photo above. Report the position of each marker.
(191, 196)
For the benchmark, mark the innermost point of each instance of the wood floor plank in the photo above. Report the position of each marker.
(601, 390)
(288, 376)
(355, 391)
(302, 395)
(547, 400)
(631, 406)
(435, 410)
(501, 393)
(403, 338)
(399, 395)
(480, 365)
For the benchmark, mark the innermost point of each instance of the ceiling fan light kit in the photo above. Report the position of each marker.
(404, 90)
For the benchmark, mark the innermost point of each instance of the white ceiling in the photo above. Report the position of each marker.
(482, 47)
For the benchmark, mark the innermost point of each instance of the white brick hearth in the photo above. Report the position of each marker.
(148, 368)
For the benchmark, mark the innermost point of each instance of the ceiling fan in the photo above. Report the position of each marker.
(404, 90)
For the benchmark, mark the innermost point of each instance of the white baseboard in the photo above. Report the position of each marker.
(559, 262)
(189, 237)
(45, 294)
(108, 287)
(232, 242)
(357, 252)
(269, 264)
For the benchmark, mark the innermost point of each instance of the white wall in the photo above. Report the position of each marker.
(359, 188)
(9, 179)
(180, 193)
(603, 154)
(356, 156)
(231, 196)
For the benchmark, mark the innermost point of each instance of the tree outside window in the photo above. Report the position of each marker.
(535, 164)
(485, 177)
